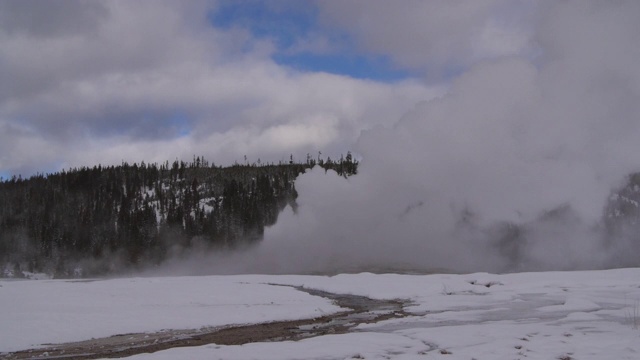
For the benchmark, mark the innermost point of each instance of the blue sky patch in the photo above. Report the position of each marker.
(180, 121)
(284, 22)
(174, 124)
(288, 22)
(146, 124)
(354, 65)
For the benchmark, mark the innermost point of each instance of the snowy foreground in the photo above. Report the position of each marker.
(550, 315)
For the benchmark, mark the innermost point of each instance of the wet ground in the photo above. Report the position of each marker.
(362, 310)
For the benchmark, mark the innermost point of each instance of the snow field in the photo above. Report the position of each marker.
(547, 315)
(56, 311)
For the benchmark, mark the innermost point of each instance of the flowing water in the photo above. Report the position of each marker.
(362, 310)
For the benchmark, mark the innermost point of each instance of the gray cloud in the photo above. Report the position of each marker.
(439, 37)
(51, 18)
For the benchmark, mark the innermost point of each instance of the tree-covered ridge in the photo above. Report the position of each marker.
(92, 221)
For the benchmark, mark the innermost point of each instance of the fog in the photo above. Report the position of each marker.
(509, 171)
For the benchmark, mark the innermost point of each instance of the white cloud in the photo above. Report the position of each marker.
(135, 80)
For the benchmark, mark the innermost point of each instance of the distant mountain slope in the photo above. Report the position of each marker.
(93, 221)
(622, 222)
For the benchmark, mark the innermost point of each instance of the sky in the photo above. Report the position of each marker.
(88, 82)
(469, 116)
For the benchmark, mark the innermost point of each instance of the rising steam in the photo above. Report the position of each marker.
(509, 171)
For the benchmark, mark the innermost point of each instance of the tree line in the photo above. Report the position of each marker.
(108, 219)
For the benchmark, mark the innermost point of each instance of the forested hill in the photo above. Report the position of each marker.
(101, 220)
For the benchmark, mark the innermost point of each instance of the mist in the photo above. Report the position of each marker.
(509, 171)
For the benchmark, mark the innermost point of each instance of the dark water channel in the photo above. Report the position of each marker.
(362, 310)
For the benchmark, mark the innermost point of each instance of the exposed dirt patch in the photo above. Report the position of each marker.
(363, 310)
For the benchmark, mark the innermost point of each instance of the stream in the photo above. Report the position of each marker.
(363, 310)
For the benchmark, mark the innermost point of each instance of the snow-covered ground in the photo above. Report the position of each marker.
(54, 311)
(547, 315)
